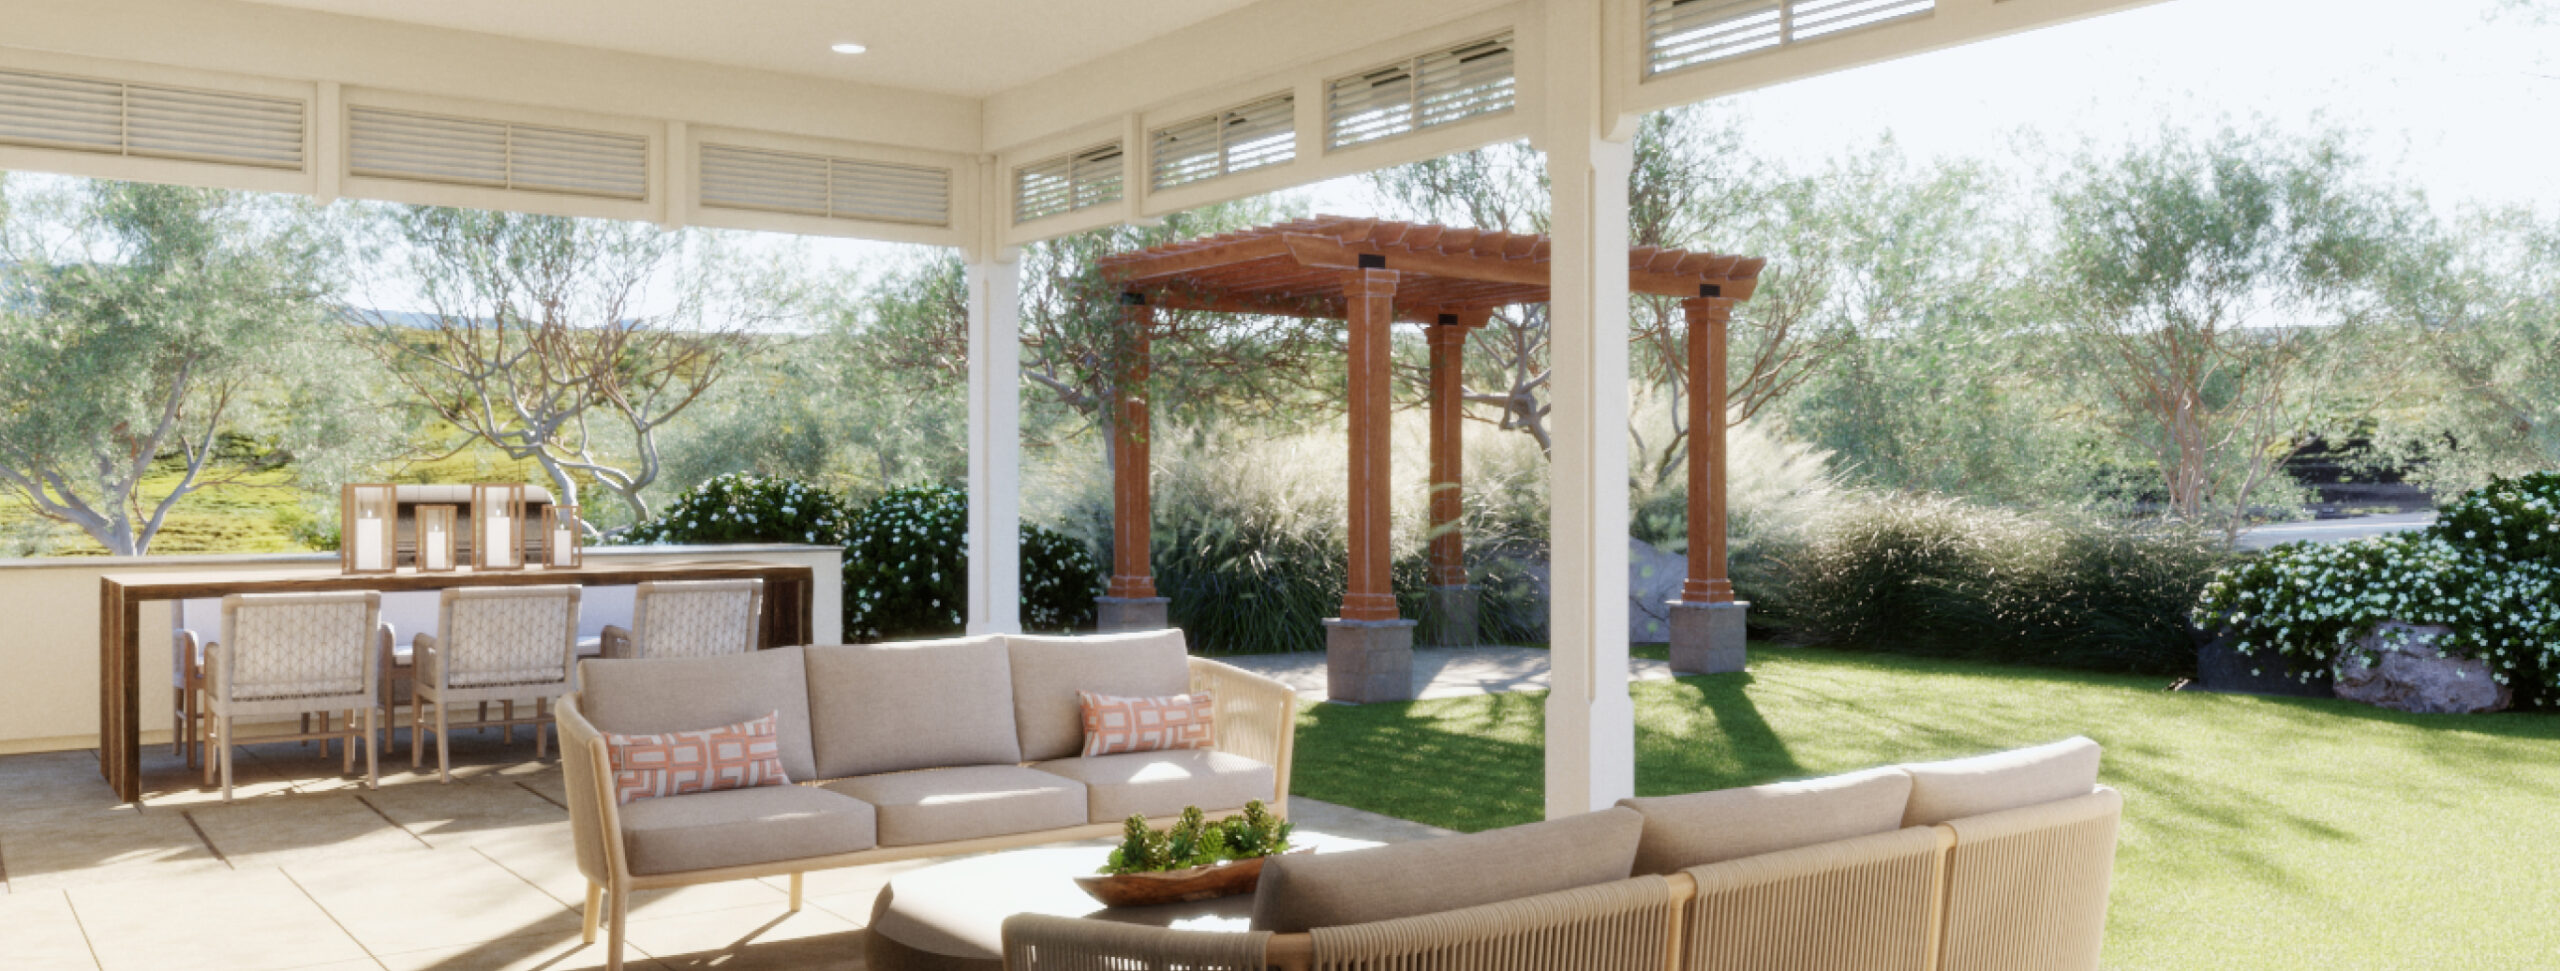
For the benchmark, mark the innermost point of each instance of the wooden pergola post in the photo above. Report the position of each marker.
(1707, 625)
(1130, 601)
(1453, 601)
(1369, 648)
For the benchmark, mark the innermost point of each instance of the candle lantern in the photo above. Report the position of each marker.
(436, 538)
(368, 525)
(562, 531)
(497, 527)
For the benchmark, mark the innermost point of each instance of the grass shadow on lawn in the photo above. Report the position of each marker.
(2259, 832)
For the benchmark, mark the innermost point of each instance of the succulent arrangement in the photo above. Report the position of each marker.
(1194, 841)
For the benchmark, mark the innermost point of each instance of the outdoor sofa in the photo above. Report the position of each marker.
(899, 751)
(1994, 863)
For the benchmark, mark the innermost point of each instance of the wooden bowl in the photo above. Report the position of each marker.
(1176, 886)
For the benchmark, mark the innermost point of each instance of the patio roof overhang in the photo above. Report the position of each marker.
(1296, 268)
(997, 124)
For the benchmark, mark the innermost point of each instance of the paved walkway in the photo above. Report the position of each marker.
(2332, 530)
(1441, 672)
(309, 870)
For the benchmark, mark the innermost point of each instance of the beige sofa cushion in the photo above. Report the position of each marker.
(1048, 671)
(1957, 788)
(1159, 784)
(923, 704)
(1711, 827)
(942, 805)
(652, 697)
(1448, 873)
(741, 827)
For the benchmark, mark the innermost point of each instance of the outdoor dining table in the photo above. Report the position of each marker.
(788, 595)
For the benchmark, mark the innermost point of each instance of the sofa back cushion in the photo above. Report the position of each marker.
(1429, 876)
(681, 694)
(1957, 788)
(1048, 671)
(1728, 824)
(912, 705)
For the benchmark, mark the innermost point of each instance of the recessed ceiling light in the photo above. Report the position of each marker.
(848, 48)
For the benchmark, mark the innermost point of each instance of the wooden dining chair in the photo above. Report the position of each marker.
(493, 644)
(293, 654)
(689, 618)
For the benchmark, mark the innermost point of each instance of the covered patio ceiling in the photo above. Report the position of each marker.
(983, 126)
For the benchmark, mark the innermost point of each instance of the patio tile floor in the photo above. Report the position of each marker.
(308, 870)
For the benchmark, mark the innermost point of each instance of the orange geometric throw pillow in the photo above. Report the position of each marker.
(741, 756)
(1114, 724)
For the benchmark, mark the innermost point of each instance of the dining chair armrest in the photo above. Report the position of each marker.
(424, 671)
(616, 641)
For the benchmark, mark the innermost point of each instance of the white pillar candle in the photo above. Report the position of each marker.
(563, 544)
(494, 540)
(369, 543)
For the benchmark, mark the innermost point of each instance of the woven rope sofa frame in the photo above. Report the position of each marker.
(1256, 718)
(2018, 890)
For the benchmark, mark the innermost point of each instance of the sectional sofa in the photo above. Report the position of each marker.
(1994, 863)
(902, 750)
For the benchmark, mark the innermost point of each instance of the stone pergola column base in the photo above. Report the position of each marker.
(1116, 614)
(1368, 660)
(1708, 638)
(1453, 612)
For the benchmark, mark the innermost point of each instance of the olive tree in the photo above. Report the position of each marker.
(143, 328)
(570, 343)
(2201, 285)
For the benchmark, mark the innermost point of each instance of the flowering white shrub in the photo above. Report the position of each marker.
(2482, 573)
(906, 569)
(906, 563)
(743, 508)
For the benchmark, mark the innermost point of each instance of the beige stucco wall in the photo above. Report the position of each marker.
(49, 630)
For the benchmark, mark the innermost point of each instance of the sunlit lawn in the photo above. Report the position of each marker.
(2259, 833)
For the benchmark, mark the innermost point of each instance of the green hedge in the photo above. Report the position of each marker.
(1947, 578)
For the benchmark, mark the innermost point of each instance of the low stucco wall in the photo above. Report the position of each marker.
(49, 629)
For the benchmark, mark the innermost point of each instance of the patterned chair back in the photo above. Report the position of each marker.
(508, 635)
(696, 618)
(299, 645)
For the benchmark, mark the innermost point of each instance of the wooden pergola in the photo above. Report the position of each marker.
(1372, 273)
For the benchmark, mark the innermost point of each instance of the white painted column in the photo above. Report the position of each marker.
(995, 443)
(1590, 720)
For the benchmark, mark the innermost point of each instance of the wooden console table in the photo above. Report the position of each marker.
(788, 593)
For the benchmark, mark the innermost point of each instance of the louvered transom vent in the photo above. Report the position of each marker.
(388, 144)
(1235, 140)
(115, 118)
(818, 185)
(1470, 80)
(1686, 33)
(1067, 183)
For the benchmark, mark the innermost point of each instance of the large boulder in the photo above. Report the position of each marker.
(2409, 673)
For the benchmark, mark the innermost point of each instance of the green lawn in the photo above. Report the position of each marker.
(2259, 833)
